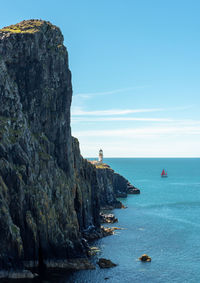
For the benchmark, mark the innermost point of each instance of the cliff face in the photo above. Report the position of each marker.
(122, 187)
(107, 196)
(38, 183)
(87, 196)
(112, 186)
(49, 195)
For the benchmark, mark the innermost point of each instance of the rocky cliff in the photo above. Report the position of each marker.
(122, 187)
(112, 186)
(49, 195)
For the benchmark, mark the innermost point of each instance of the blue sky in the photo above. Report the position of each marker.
(135, 69)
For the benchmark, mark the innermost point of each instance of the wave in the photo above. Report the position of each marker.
(172, 204)
(176, 219)
(167, 211)
(185, 184)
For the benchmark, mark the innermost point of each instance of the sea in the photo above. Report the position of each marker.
(163, 222)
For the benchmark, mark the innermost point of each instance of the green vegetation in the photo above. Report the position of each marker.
(11, 30)
(102, 166)
(30, 26)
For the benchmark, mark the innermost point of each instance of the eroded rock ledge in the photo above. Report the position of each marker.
(49, 195)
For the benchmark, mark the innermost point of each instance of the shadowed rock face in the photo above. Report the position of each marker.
(49, 195)
(122, 187)
(105, 178)
(39, 188)
(36, 81)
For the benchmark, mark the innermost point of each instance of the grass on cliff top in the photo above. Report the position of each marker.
(99, 165)
(102, 166)
(30, 26)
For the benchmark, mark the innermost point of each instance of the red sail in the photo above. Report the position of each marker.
(163, 172)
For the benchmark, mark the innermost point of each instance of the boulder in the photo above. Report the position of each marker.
(145, 258)
(108, 218)
(133, 191)
(105, 263)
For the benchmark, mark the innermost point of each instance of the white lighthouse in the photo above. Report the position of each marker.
(100, 156)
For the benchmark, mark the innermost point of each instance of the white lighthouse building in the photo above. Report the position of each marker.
(100, 156)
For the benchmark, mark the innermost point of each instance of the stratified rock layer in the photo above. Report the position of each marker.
(49, 195)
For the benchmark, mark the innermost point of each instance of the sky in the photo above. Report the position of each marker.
(135, 72)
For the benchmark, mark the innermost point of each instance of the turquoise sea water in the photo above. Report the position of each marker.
(163, 221)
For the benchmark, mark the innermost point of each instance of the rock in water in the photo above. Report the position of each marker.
(133, 191)
(108, 218)
(145, 257)
(106, 263)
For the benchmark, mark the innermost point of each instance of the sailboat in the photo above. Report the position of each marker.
(164, 174)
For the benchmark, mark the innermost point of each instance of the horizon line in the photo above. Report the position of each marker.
(146, 157)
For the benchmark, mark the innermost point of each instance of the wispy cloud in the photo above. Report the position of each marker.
(117, 119)
(142, 132)
(125, 119)
(120, 90)
(79, 112)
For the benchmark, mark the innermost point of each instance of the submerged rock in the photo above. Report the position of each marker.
(105, 263)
